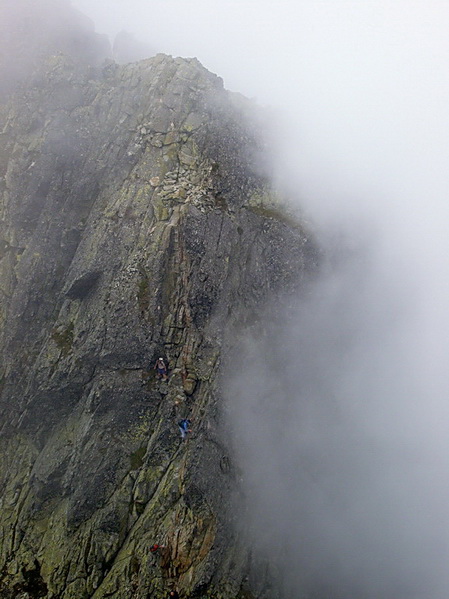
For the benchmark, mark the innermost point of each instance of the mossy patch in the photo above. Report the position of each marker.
(64, 338)
(136, 458)
(275, 214)
(245, 594)
(268, 204)
(143, 292)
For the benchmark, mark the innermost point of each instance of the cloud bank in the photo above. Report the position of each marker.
(339, 411)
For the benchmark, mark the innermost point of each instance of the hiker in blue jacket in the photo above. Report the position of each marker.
(184, 427)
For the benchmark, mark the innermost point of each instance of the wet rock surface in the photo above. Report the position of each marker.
(131, 228)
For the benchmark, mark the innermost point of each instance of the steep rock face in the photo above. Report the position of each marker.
(134, 224)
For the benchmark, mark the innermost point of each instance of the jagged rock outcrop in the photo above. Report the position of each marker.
(134, 224)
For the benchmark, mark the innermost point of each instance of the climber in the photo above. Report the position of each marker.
(155, 551)
(161, 369)
(184, 427)
(173, 595)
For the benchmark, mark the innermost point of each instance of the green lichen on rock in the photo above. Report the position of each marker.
(136, 458)
(143, 293)
(268, 204)
(63, 337)
(144, 230)
(276, 213)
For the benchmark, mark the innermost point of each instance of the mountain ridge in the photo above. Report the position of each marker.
(136, 223)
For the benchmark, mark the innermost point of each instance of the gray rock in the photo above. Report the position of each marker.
(100, 276)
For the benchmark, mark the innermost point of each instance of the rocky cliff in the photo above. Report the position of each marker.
(135, 224)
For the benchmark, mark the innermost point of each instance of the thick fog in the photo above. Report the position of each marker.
(339, 405)
(31, 29)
